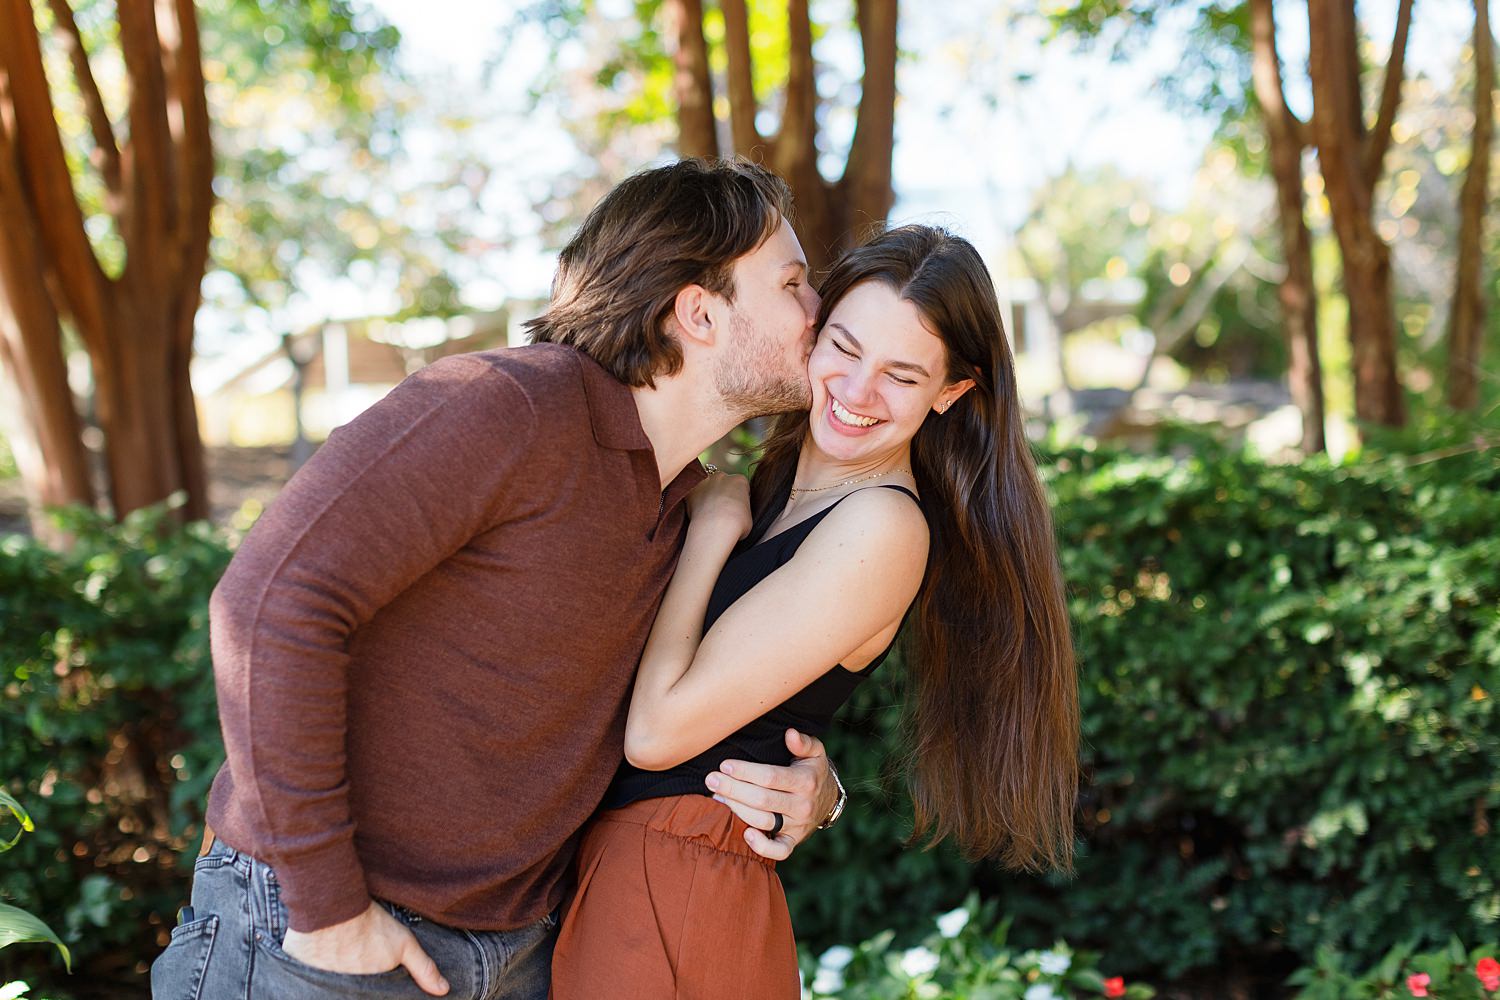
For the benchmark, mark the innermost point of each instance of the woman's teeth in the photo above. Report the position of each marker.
(845, 417)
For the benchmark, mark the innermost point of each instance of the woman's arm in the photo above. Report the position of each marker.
(854, 575)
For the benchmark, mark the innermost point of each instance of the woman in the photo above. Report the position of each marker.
(908, 491)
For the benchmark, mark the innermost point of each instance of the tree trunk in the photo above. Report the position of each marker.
(49, 447)
(697, 135)
(743, 131)
(1466, 318)
(137, 424)
(182, 58)
(829, 216)
(137, 328)
(1349, 174)
(866, 184)
(1296, 292)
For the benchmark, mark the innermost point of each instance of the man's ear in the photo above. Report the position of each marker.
(693, 311)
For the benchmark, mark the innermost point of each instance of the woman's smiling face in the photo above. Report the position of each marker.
(876, 372)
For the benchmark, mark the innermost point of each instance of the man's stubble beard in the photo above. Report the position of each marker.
(750, 376)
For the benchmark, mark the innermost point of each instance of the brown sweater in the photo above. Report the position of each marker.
(423, 650)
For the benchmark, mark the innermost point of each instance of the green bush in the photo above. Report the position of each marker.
(111, 732)
(1449, 973)
(967, 957)
(1288, 678)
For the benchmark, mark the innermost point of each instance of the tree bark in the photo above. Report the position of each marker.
(1466, 318)
(106, 155)
(78, 284)
(1344, 152)
(697, 135)
(1296, 292)
(187, 105)
(794, 151)
(135, 414)
(49, 451)
(743, 106)
(829, 215)
(866, 185)
(1390, 97)
(137, 328)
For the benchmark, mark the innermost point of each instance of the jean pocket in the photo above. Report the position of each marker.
(178, 972)
(278, 974)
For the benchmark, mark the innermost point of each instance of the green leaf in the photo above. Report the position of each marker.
(19, 812)
(18, 926)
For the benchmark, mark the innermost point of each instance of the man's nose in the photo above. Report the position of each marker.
(814, 301)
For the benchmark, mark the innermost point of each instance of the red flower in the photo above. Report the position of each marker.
(1488, 971)
(1418, 984)
(1114, 986)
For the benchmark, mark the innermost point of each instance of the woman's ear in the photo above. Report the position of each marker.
(950, 394)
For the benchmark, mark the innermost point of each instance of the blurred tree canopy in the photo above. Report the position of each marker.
(326, 187)
(1101, 248)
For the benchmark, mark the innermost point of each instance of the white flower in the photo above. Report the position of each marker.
(918, 962)
(828, 981)
(950, 923)
(1054, 963)
(836, 958)
(11, 991)
(1039, 991)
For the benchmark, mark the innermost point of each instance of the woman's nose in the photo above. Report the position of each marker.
(858, 387)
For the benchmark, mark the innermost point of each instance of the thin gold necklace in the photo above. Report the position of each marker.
(799, 491)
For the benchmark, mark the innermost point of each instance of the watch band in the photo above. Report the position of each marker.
(838, 803)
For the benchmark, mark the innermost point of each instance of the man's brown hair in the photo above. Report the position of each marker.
(655, 233)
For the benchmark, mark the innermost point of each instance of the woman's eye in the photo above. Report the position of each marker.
(902, 381)
(843, 350)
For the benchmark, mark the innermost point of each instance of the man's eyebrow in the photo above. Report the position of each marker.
(794, 265)
(910, 366)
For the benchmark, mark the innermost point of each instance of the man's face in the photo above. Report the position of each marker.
(763, 367)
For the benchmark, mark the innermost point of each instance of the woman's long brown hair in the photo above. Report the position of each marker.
(993, 717)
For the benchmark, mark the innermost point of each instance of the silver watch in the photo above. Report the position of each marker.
(838, 803)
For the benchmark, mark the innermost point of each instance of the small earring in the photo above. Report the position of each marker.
(943, 406)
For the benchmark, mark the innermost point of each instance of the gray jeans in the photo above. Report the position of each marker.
(231, 948)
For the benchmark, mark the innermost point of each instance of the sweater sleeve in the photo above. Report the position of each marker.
(386, 498)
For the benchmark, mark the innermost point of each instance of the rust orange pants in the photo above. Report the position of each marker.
(672, 904)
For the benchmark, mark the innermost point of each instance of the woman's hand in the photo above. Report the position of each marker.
(722, 501)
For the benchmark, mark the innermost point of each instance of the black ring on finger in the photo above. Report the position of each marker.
(776, 825)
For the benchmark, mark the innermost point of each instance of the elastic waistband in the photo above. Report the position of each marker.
(696, 818)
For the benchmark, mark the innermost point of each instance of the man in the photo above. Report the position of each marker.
(424, 649)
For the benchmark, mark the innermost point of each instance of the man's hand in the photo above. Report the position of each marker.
(369, 944)
(803, 793)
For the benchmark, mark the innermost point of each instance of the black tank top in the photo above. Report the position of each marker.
(763, 741)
